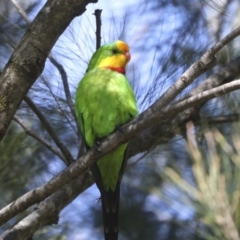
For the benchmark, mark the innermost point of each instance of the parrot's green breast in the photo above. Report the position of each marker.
(104, 101)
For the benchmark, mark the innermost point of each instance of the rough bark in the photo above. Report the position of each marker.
(27, 61)
(164, 131)
(46, 213)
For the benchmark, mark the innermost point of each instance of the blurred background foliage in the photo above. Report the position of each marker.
(187, 188)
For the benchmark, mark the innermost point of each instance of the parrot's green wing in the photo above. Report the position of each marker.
(104, 101)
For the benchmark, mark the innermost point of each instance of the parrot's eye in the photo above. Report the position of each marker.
(114, 51)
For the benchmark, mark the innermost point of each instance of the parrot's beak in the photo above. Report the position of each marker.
(128, 56)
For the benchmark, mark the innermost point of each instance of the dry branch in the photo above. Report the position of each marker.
(47, 211)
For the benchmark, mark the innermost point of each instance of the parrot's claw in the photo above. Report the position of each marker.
(97, 145)
(118, 128)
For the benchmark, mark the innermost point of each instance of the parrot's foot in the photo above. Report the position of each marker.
(118, 128)
(97, 144)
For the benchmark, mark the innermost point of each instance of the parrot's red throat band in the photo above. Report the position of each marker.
(117, 69)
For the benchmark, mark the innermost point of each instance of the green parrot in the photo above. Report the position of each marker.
(105, 101)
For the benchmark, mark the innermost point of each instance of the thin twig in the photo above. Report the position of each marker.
(21, 11)
(206, 120)
(203, 97)
(220, 119)
(206, 62)
(65, 84)
(10, 43)
(66, 157)
(47, 212)
(223, 75)
(97, 14)
(54, 62)
(39, 139)
(163, 131)
(59, 105)
(235, 33)
(50, 130)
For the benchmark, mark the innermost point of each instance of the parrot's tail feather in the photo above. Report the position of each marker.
(110, 207)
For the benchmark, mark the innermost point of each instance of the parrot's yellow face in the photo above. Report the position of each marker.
(118, 58)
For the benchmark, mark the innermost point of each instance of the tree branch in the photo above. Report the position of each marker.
(50, 130)
(202, 97)
(97, 14)
(47, 212)
(30, 55)
(65, 84)
(54, 62)
(21, 11)
(163, 131)
(207, 61)
(223, 75)
(221, 119)
(40, 139)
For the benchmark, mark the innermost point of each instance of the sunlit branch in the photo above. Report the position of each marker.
(203, 97)
(47, 212)
(21, 11)
(223, 75)
(163, 131)
(232, 35)
(65, 83)
(206, 62)
(97, 14)
(39, 139)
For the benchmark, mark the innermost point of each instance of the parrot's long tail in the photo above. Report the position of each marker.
(110, 207)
